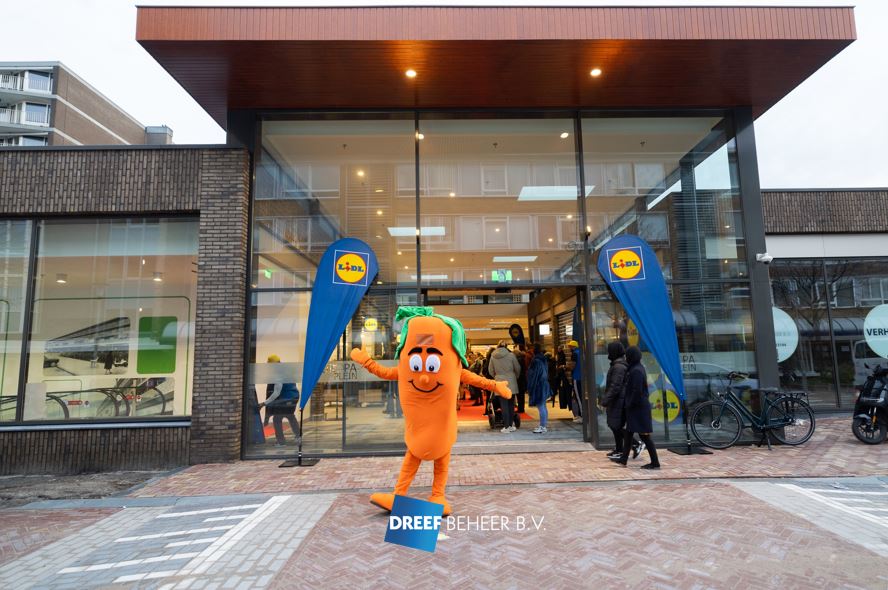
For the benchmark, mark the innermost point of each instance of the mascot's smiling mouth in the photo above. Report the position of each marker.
(424, 390)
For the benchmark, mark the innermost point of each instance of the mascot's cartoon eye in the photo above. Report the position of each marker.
(433, 363)
(416, 363)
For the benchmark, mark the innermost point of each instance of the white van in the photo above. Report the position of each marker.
(864, 355)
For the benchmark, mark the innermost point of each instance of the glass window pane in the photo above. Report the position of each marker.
(350, 409)
(714, 327)
(857, 285)
(801, 326)
(512, 209)
(113, 319)
(327, 178)
(15, 244)
(672, 181)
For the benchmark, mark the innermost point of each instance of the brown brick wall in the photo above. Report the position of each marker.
(825, 211)
(79, 451)
(213, 181)
(95, 106)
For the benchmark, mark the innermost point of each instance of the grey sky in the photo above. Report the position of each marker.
(829, 132)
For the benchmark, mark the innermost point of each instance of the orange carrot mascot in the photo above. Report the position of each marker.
(431, 360)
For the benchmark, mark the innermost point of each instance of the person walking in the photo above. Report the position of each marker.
(638, 410)
(538, 386)
(280, 403)
(504, 367)
(575, 367)
(614, 398)
(521, 356)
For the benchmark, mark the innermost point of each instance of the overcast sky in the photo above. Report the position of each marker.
(832, 131)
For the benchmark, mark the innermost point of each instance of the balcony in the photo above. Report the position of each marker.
(11, 82)
(32, 114)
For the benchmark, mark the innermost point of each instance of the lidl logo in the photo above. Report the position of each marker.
(350, 268)
(626, 264)
(672, 406)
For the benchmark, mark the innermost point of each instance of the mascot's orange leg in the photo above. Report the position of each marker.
(442, 466)
(405, 478)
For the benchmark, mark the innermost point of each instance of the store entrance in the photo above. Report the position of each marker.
(494, 316)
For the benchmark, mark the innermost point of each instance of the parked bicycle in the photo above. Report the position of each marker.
(786, 416)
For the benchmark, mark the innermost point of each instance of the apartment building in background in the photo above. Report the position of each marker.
(45, 103)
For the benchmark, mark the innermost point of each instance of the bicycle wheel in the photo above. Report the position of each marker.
(716, 425)
(791, 420)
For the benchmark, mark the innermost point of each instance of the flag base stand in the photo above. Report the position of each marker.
(688, 449)
(300, 461)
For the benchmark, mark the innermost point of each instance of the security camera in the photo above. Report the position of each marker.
(764, 258)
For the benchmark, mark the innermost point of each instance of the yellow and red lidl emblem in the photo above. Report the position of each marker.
(350, 268)
(626, 264)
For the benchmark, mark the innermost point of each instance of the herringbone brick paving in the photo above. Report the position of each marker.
(657, 535)
(23, 531)
(831, 452)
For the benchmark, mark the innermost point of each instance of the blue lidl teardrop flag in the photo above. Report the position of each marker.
(629, 266)
(346, 271)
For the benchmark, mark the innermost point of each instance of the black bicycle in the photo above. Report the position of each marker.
(784, 415)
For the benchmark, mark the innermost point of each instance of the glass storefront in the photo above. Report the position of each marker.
(15, 243)
(483, 203)
(111, 319)
(821, 307)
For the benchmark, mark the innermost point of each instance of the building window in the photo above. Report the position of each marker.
(33, 140)
(39, 81)
(36, 114)
(112, 333)
(15, 240)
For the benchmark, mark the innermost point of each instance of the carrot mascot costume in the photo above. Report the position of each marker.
(431, 365)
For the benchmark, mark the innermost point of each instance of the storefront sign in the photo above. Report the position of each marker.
(875, 329)
(370, 324)
(786, 334)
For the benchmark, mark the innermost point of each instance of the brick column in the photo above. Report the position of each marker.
(217, 405)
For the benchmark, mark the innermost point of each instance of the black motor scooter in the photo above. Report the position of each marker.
(870, 423)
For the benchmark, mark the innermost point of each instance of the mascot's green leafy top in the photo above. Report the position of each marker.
(459, 334)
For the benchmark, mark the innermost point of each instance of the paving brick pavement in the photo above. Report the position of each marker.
(626, 535)
(23, 531)
(831, 452)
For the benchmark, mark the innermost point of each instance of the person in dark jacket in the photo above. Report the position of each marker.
(553, 375)
(538, 386)
(521, 356)
(614, 397)
(638, 410)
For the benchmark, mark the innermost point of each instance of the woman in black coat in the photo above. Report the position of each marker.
(638, 410)
(614, 398)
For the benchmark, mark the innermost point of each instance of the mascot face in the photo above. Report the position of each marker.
(428, 368)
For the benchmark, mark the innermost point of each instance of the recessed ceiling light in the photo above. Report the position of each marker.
(565, 135)
(727, 227)
(360, 173)
(143, 261)
(158, 277)
(420, 136)
(61, 278)
(405, 268)
(595, 72)
(410, 73)
(526, 269)
(378, 282)
(551, 240)
(399, 252)
(496, 229)
(379, 236)
(379, 190)
(140, 310)
(379, 211)
(570, 216)
(452, 194)
(451, 260)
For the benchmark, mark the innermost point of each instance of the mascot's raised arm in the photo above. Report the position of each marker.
(431, 365)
